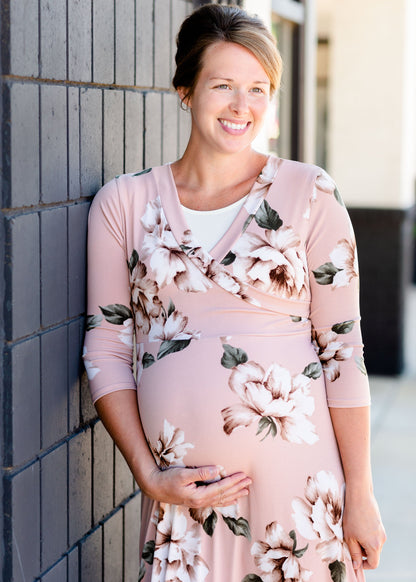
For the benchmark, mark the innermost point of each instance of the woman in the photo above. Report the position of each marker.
(237, 272)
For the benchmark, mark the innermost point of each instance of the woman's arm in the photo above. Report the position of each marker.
(182, 486)
(363, 529)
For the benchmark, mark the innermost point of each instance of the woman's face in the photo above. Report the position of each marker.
(230, 99)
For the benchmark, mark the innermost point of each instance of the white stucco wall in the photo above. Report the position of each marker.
(372, 101)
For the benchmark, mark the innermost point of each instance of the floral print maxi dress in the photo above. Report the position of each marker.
(240, 351)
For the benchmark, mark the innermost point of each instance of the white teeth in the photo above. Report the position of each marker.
(233, 125)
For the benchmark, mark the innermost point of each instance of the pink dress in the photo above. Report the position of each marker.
(240, 351)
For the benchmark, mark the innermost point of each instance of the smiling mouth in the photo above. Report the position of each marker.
(235, 126)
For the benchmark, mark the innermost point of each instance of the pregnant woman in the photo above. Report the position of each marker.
(246, 419)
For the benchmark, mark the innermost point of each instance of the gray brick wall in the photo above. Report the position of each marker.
(85, 95)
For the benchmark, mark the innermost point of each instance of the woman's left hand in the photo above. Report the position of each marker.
(363, 530)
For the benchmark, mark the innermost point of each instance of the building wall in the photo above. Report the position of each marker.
(371, 154)
(85, 96)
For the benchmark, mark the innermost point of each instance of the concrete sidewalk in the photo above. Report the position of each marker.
(394, 461)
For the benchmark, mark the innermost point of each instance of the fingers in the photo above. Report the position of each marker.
(356, 554)
(222, 492)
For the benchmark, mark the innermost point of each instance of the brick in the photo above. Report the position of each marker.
(53, 39)
(88, 411)
(153, 129)
(75, 341)
(132, 559)
(54, 265)
(77, 251)
(133, 134)
(113, 548)
(91, 558)
(162, 46)
(123, 482)
(170, 128)
(103, 472)
(74, 185)
(91, 141)
(79, 482)
(113, 134)
(25, 366)
(53, 144)
(26, 524)
(25, 274)
(144, 43)
(184, 130)
(54, 516)
(73, 565)
(24, 144)
(103, 41)
(79, 40)
(57, 573)
(24, 39)
(125, 42)
(54, 365)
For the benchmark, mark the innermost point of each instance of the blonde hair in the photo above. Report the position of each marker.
(215, 23)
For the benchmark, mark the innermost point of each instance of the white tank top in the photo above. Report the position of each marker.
(209, 226)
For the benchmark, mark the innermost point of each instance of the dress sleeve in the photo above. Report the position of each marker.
(108, 347)
(335, 313)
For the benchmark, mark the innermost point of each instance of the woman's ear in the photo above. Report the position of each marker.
(185, 98)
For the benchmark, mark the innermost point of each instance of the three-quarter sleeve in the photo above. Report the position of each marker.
(334, 281)
(108, 347)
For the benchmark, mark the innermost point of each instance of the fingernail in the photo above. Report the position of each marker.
(355, 564)
(220, 469)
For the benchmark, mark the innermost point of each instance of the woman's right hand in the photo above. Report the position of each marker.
(199, 487)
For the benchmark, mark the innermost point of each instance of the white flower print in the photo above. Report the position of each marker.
(274, 264)
(168, 261)
(172, 327)
(277, 557)
(330, 351)
(323, 183)
(126, 334)
(177, 549)
(319, 516)
(144, 297)
(344, 257)
(263, 181)
(91, 370)
(279, 402)
(171, 447)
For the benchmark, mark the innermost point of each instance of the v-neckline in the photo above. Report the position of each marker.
(175, 216)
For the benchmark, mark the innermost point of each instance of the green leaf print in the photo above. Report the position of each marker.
(147, 360)
(93, 321)
(210, 523)
(143, 172)
(267, 217)
(134, 259)
(239, 527)
(233, 356)
(296, 318)
(116, 313)
(313, 370)
(247, 222)
(264, 423)
(338, 197)
(325, 274)
(228, 259)
(171, 307)
(344, 327)
(360, 365)
(297, 553)
(148, 551)
(142, 572)
(172, 346)
(252, 578)
(338, 571)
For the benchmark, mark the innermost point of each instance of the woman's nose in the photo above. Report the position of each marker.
(239, 103)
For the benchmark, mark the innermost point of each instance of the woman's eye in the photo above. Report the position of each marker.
(257, 90)
(223, 86)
